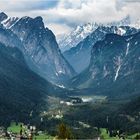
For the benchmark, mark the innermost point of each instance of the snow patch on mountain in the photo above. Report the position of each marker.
(121, 31)
(127, 48)
(6, 21)
(118, 65)
(61, 86)
(9, 22)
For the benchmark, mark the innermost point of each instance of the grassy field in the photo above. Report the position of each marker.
(15, 128)
(43, 137)
(106, 136)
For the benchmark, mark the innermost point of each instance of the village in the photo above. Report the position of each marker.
(18, 131)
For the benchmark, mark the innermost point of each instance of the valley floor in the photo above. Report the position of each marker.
(91, 118)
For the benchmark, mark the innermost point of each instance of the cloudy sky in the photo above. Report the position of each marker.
(61, 16)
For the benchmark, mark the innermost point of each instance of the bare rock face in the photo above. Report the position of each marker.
(39, 47)
(114, 66)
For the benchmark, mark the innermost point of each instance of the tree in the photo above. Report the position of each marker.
(64, 132)
(137, 137)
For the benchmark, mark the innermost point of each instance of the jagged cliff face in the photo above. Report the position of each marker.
(8, 38)
(66, 42)
(40, 48)
(114, 66)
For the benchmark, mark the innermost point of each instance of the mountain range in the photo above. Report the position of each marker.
(39, 47)
(80, 32)
(94, 59)
(41, 52)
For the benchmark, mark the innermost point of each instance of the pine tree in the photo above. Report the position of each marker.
(64, 132)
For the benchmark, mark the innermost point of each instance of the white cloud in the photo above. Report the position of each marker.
(93, 10)
(68, 13)
(59, 28)
(101, 11)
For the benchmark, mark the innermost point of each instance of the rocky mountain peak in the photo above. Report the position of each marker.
(3, 16)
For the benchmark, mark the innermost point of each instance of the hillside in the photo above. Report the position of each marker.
(21, 90)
